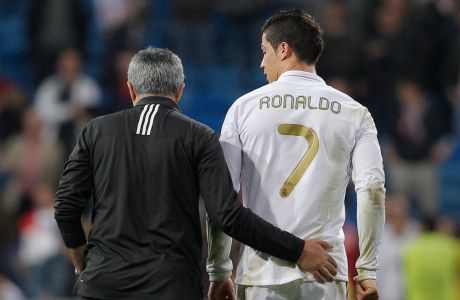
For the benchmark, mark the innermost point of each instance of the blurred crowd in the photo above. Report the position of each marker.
(63, 63)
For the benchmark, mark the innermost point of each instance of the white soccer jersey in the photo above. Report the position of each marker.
(291, 147)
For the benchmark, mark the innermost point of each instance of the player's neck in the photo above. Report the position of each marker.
(297, 66)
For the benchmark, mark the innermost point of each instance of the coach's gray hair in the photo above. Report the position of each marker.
(155, 71)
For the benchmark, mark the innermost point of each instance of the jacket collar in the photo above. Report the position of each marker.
(157, 100)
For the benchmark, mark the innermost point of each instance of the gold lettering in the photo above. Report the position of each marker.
(313, 145)
(264, 100)
(336, 107)
(280, 101)
(323, 103)
(286, 96)
(300, 101)
(309, 103)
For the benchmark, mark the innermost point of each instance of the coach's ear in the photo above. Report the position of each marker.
(179, 92)
(132, 92)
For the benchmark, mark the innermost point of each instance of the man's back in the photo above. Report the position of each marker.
(297, 136)
(145, 219)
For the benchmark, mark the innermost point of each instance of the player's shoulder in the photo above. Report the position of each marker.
(344, 98)
(346, 101)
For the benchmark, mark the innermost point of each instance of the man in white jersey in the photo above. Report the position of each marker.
(291, 147)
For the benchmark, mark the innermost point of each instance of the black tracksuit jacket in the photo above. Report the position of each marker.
(145, 168)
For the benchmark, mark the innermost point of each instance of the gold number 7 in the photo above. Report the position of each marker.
(313, 145)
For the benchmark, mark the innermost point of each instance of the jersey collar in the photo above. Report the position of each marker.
(157, 100)
(300, 76)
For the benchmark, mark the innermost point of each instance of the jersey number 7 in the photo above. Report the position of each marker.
(313, 145)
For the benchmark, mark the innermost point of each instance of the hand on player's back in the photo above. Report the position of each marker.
(316, 259)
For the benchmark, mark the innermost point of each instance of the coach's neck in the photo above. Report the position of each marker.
(135, 97)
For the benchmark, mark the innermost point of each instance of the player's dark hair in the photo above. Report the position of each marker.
(299, 29)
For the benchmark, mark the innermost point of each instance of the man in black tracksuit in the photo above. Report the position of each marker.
(145, 168)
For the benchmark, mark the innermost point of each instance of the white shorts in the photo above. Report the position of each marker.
(298, 289)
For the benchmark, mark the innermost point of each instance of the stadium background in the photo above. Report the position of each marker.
(400, 58)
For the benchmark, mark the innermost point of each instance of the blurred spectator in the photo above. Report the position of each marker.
(116, 93)
(238, 35)
(12, 102)
(129, 28)
(9, 291)
(63, 95)
(54, 25)
(112, 13)
(125, 25)
(432, 265)
(416, 146)
(47, 270)
(387, 54)
(192, 29)
(71, 129)
(446, 226)
(342, 84)
(28, 159)
(343, 58)
(434, 46)
(399, 230)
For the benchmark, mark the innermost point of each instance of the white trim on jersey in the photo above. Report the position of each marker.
(141, 119)
(151, 119)
(147, 116)
(146, 119)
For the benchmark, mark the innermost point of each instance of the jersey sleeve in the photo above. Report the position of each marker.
(231, 145)
(218, 265)
(369, 179)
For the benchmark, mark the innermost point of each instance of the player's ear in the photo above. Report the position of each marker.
(179, 92)
(132, 92)
(285, 51)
